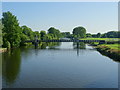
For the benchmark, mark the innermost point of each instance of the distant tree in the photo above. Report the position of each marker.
(55, 32)
(42, 34)
(94, 35)
(88, 35)
(112, 34)
(118, 34)
(28, 31)
(66, 34)
(98, 35)
(104, 35)
(37, 34)
(80, 32)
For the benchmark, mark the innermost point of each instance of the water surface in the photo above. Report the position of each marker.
(58, 66)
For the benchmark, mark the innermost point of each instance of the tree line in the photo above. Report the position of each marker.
(110, 34)
(14, 35)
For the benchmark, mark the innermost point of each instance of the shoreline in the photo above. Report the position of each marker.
(3, 50)
(109, 52)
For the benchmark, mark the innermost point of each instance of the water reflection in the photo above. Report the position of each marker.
(50, 66)
(12, 58)
(79, 45)
(55, 46)
(11, 65)
(49, 45)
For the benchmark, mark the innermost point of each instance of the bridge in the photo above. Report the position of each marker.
(36, 42)
(86, 41)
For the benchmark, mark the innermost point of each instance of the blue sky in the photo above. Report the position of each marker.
(94, 16)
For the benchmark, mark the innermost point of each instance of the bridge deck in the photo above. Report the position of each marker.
(65, 41)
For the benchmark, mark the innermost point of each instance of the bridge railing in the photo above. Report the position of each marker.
(86, 41)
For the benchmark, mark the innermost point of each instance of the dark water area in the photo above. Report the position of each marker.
(58, 65)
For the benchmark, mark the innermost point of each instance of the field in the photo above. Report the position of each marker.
(106, 39)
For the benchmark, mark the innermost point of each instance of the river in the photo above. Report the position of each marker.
(60, 65)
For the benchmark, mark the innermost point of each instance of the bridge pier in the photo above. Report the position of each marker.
(36, 43)
(102, 42)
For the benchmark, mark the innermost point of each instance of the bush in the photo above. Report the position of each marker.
(7, 44)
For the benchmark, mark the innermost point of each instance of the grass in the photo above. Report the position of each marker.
(110, 50)
(111, 46)
(113, 49)
(106, 39)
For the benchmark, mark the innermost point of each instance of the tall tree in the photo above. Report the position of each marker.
(11, 29)
(80, 32)
(55, 32)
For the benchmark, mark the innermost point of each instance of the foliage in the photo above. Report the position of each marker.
(88, 35)
(79, 32)
(7, 44)
(110, 34)
(66, 34)
(56, 33)
(28, 32)
(42, 34)
(13, 35)
(11, 29)
(1, 27)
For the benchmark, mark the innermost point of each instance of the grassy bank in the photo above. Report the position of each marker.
(110, 50)
(106, 39)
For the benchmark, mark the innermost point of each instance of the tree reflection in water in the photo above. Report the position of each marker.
(79, 45)
(11, 65)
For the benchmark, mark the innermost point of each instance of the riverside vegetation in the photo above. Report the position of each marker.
(13, 35)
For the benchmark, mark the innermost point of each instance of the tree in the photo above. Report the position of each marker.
(23, 38)
(55, 32)
(66, 34)
(11, 29)
(104, 35)
(28, 31)
(37, 34)
(80, 32)
(98, 35)
(112, 34)
(1, 27)
(42, 34)
(88, 35)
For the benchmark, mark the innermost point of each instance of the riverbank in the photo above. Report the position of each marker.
(106, 39)
(3, 50)
(110, 50)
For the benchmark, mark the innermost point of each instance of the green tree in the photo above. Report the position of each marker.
(55, 32)
(11, 29)
(80, 32)
(42, 34)
(28, 31)
(37, 34)
(1, 27)
(23, 39)
(98, 35)
(66, 34)
(88, 35)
